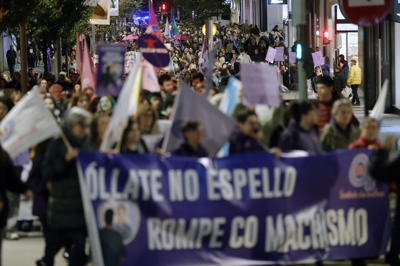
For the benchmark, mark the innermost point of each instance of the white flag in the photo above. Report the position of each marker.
(379, 108)
(126, 107)
(150, 80)
(167, 31)
(27, 124)
(190, 105)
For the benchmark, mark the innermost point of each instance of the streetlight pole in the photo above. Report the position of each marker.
(24, 57)
(209, 33)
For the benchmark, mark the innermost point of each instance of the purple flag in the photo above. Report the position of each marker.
(262, 86)
(292, 57)
(280, 51)
(190, 105)
(270, 55)
(49, 69)
(203, 61)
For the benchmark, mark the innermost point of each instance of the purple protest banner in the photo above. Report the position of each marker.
(318, 58)
(280, 51)
(265, 89)
(110, 72)
(153, 50)
(292, 57)
(270, 55)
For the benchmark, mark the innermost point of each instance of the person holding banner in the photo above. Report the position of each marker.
(247, 136)
(98, 128)
(300, 133)
(147, 118)
(192, 130)
(340, 132)
(132, 141)
(66, 213)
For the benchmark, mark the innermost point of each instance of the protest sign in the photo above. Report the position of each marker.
(292, 57)
(270, 55)
(153, 50)
(280, 52)
(101, 13)
(262, 85)
(110, 73)
(247, 209)
(318, 58)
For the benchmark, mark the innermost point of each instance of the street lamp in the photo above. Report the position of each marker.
(214, 29)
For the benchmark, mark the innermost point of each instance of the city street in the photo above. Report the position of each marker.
(25, 251)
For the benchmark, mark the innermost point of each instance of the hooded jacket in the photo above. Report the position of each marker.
(296, 138)
(241, 143)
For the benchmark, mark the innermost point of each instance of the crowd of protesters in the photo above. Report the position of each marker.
(327, 124)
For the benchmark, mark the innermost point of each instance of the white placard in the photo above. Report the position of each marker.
(90, 3)
(359, 3)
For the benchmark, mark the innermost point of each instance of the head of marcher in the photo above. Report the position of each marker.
(147, 117)
(81, 100)
(342, 112)
(324, 86)
(56, 92)
(62, 77)
(305, 113)
(369, 129)
(165, 82)
(248, 123)
(131, 134)
(98, 128)
(5, 106)
(109, 217)
(155, 100)
(197, 78)
(192, 131)
(78, 122)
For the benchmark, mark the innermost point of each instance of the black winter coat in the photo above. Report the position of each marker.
(65, 203)
(8, 181)
(339, 82)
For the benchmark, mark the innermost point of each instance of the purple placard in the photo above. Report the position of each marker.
(270, 55)
(153, 50)
(318, 58)
(110, 71)
(280, 51)
(261, 85)
(292, 57)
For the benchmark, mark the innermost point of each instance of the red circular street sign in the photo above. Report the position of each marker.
(365, 13)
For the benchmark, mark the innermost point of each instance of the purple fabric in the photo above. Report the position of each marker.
(241, 143)
(22, 159)
(49, 68)
(296, 138)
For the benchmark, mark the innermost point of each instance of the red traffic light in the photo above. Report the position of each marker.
(326, 38)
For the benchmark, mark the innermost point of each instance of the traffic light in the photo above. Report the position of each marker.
(326, 38)
(299, 51)
(163, 7)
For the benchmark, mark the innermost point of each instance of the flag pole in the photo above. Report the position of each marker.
(65, 140)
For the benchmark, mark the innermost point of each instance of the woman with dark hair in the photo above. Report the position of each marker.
(16, 81)
(53, 107)
(5, 106)
(98, 128)
(300, 133)
(132, 141)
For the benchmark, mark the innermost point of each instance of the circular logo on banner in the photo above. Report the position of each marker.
(153, 50)
(358, 173)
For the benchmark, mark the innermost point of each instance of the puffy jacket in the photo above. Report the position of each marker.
(354, 75)
(65, 203)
